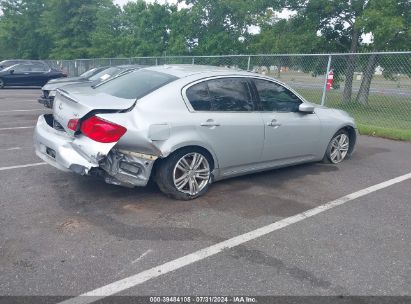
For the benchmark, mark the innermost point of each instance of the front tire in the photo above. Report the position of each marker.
(185, 174)
(338, 148)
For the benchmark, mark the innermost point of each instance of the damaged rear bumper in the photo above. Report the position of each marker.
(56, 148)
(116, 166)
(127, 168)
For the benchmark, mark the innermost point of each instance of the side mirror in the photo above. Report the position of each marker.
(306, 108)
(12, 72)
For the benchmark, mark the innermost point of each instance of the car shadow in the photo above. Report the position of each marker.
(147, 214)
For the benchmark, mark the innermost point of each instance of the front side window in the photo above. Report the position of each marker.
(19, 68)
(223, 94)
(276, 98)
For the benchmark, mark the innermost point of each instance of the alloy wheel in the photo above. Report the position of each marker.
(191, 174)
(339, 148)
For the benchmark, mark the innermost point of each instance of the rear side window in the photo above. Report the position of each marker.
(39, 67)
(275, 97)
(198, 96)
(223, 94)
(136, 84)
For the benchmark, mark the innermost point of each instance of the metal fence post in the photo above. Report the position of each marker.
(156, 61)
(248, 63)
(75, 68)
(192, 61)
(325, 80)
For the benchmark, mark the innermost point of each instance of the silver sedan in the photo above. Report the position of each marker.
(186, 126)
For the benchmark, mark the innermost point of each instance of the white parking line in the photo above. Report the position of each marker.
(15, 128)
(11, 149)
(202, 254)
(21, 166)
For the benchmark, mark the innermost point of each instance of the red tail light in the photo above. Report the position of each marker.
(102, 130)
(73, 124)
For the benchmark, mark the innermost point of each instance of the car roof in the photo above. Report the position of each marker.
(22, 60)
(186, 70)
(129, 66)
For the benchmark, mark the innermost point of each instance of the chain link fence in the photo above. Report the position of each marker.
(375, 88)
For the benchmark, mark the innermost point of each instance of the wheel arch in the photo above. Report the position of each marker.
(197, 146)
(201, 148)
(352, 134)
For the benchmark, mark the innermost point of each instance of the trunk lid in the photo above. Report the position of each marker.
(75, 105)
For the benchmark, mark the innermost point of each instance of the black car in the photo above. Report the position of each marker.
(28, 74)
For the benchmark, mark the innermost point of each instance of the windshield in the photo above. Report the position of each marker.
(105, 74)
(3, 64)
(12, 67)
(136, 84)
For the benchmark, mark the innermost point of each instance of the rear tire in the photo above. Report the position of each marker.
(1, 83)
(338, 148)
(185, 174)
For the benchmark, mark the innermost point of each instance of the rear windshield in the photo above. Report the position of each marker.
(89, 73)
(136, 84)
(105, 74)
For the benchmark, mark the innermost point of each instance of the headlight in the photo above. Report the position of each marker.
(52, 93)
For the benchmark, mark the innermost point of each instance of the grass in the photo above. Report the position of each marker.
(385, 132)
(387, 116)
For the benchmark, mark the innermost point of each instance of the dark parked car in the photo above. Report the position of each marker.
(28, 74)
(89, 78)
(6, 63)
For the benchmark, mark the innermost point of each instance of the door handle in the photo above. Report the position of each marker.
(274, 124)
(210, 123)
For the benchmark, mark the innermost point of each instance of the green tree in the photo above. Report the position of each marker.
(337, 22)
(146, 28)
(20, 32)
(70, 23)
(222, 26)
(389, 22)
(107, 39)
(181, 33)
(295, 35)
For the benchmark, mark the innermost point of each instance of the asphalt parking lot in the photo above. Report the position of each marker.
(65, 235)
